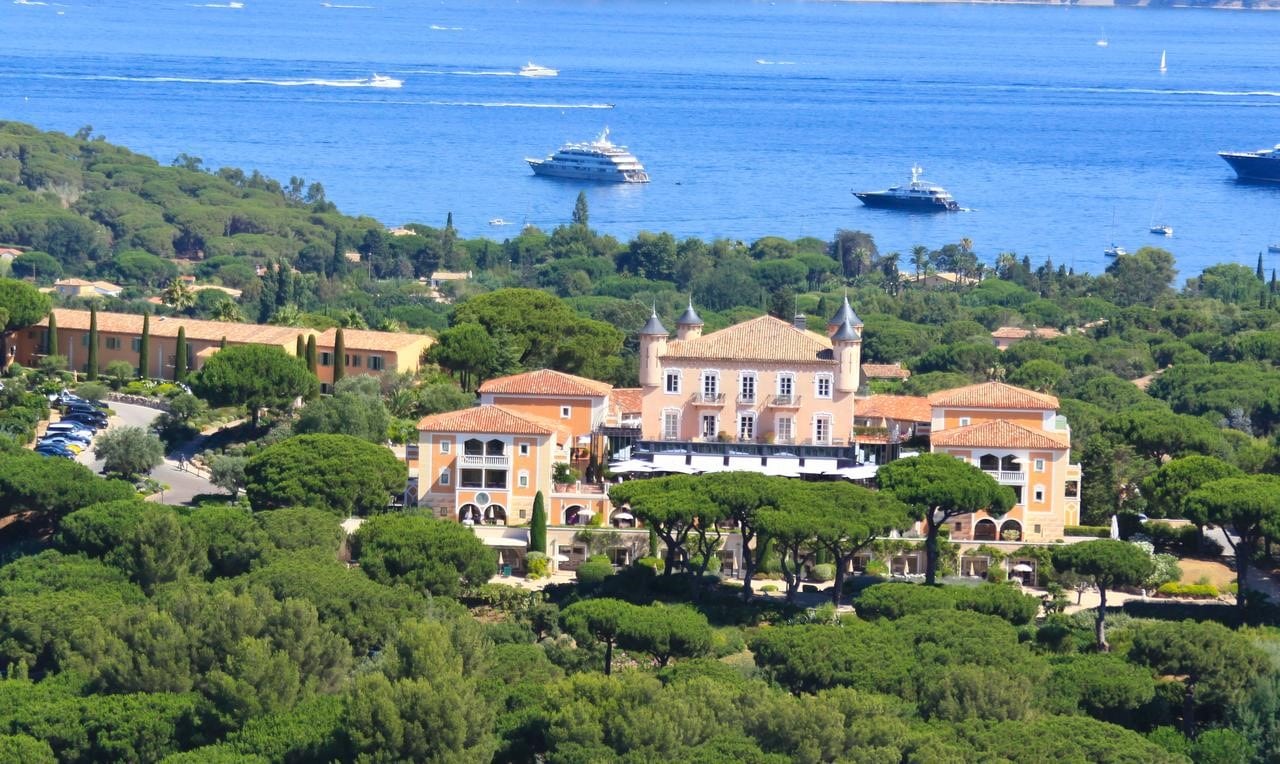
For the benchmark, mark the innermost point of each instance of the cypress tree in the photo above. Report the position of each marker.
(144, 347)
(339, 357)
(538, 525)
(93, 342)
(180, 356)
(581, 214)
(51, 336)
(223, 345)
(653, 542)
(1273, 283)
(311, 353)
(300, 348)
(1258, 272)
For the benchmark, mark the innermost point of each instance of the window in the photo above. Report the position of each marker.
(959, 526)
(84, 340)
(673, 382)
(473, 447)
(326, 359)
(822, 430)
(822, 386)
(1039, 493)
(786, 386)
(1073, 489)
(566, 412)
(1035, 529)
(747, 387)
(670, 425)
(325, 388)
(1039, 465)
(964, 421)
(136, 344)
(445, 445)
(375, 363)
(444, 512)
(710, 426)
(710, 385)
(524, 449)
(784, 429)
(495, 478)
(113, 343)
(524, 479)
(473, 478)
(444, 477)
(522, 514)
(353, 360)
(747, 427)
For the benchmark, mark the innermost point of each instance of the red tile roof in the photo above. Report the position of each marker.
(903, 408)
(993, 395)
(627, 400)
(996, 434)
(485, 419)
(546, 382)
(760, 339)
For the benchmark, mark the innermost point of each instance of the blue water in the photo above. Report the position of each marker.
(1057, 145)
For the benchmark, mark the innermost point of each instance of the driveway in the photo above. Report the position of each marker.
(184, 484)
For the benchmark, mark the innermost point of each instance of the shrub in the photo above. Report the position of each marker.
(823, 572)
(999, 600)
(1096, 531)
(656, 564)
(1192, 591)
(92, 391)
(537, 565)
(1168, 538)
(895, 600)
(768, 588)
(595, 570)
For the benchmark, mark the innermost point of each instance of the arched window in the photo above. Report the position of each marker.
(495, 514)
(575, 515)
(1011, 530)
(473, 447)
(469, 514)
(989, 462)
(494, 447)
(984, 530)
(1011, 464)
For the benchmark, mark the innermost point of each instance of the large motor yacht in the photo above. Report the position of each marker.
(534, 70)
(1261, 165)
(598, 160)
(917, 196)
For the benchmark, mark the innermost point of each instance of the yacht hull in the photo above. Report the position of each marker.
(1253, 168)
(552, 170)
(892, 202)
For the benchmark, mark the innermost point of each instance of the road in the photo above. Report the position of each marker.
(184, 484)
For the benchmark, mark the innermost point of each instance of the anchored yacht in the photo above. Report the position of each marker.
(917, 196)
(1261, 165)
(598, 160)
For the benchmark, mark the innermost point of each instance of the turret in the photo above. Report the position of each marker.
(846, 347)
(845, 314)
(653, 343)
(689, 325)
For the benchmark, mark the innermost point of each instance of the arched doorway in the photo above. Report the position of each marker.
(575, 515)
(984, 530)
(495, 514)
(1011, 530)
(469, 514)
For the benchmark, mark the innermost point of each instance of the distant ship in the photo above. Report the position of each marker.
(1261, 165)
(598, 160)
(917, 196)
(1115, 251)
(383, 81)
(533, 70)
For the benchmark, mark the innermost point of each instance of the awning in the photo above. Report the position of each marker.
(505, 543)
(865, 472)
(584, 512)
(631, 465)
(623, 516)
(682, 469)
(1022, 567)
(560, 558)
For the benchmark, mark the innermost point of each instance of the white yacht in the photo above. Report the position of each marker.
(1115, 251)
(383, 81)
(533, 70)
(598, 160)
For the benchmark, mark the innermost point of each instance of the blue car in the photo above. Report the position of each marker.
(52, 449)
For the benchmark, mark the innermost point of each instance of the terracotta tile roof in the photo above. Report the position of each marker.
(72, 282)
(546, 382)
(627, 400)
(884, 371)
(993, 395)
(451, 275)
(364, 339)
(996, 434)
(1018, 333)
(903, 408)
(760, 339)
(485, 419)
(162, 326)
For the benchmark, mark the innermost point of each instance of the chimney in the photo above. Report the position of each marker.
(800, 322)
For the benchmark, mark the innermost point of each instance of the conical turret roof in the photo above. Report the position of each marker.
(846, 332)
(654, 326)
(845, 314)
(690, 316)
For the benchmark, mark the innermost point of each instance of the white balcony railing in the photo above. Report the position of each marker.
(1006, 476)
(476, 460)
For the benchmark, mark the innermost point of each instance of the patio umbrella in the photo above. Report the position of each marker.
(1022, 567)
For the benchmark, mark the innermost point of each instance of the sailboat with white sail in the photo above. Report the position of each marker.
(1161, 229)
(1164, 64)
(1102, 41)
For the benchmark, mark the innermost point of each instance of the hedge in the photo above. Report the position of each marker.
(1096, 531)
(1194, 591)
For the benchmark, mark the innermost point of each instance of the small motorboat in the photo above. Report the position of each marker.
(383, 81)
(533, 70)
(1273, 249)
(1162, 230)
(498, 221)
(1115, 251)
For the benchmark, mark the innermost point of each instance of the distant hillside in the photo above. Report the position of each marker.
(86, 201)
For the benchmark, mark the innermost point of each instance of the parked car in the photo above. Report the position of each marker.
(53, 449)
(85, 411)
(71, 426)
(70, 445)
(77, 436)
(81, 419)
(85, 406)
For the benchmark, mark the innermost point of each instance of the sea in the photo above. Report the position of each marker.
(752, 118)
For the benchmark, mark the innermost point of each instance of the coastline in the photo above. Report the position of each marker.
(1223, 5)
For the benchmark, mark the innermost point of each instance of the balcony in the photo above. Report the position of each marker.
(747, 400)
(479, 460)
(707, 399)
(784, 402)
(1007, 477)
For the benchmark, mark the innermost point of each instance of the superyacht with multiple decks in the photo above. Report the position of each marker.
(598, 160)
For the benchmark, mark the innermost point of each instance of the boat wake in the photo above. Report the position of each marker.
(766, 62)
(454, 72)
(232, 4)
(361, 82)
(339, 5)
(438, 28)
(512, 104)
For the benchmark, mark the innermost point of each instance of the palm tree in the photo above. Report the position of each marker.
(351, 319)
(178, 295)
(226, 310)
(287, 315)
(919, 258)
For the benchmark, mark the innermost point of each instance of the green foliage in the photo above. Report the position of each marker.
(424, 553)
(355, 409)
(823, 572)
(340, 473)
(895, 600)
(538, 523)
(594, 570)
(21, 305)
(300, 528)
(32, 483)
(1094, 531)
(256, 376)
(129, 451)
(1192, 591)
